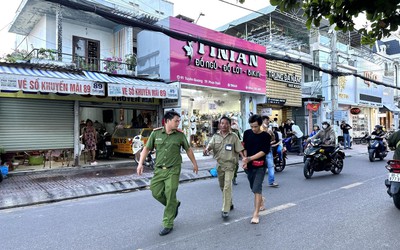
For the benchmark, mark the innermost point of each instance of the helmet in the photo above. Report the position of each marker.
(326, 122)
(325, 125)
(378, 127)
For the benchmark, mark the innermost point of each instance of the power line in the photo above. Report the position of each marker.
(184, 37)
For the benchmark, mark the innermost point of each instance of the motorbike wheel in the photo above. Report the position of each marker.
(372, 156)
(338, 165)
(307, 170)
(396, 200)
(280, 165)
(1, 177)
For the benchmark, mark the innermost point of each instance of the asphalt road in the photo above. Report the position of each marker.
(346, 211)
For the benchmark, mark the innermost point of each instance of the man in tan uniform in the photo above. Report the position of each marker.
(226, 147)
(167, 141)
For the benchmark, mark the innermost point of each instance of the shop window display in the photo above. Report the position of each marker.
(360, 125)
(199, 128)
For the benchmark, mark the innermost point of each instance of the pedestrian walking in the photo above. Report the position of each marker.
(267, 127)
(257, 144)
(346, 135)
(167, 141)
(226, 147)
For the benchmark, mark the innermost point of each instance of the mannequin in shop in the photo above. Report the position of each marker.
(250, 106)
(185, 123)
(239, 120)
(193, 130)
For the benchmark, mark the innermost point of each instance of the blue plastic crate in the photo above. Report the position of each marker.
(4, 170)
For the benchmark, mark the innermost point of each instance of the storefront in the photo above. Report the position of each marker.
(358, 105)
(284, 93)
(42, 109)
(214, 81)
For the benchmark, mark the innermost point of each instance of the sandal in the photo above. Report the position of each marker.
(262, 207)
(255, 220)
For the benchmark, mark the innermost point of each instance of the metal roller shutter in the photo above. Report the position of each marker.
(27, 124)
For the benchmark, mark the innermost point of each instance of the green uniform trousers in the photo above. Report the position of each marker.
(225, 183)
(164, 186)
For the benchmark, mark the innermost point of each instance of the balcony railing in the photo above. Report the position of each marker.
(112, 65)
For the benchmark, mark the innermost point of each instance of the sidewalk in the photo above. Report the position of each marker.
(29, 188)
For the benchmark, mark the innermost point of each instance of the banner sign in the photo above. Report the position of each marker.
(199, 64)
(50, 85)
(142, 91)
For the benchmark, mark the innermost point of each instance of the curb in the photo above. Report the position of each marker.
(68, 194)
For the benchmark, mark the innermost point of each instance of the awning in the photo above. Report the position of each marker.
(47, 81)
(40, 73)
(392, 107)
(131, 87)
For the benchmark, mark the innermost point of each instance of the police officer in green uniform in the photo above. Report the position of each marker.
(394, 144)
(226, 147)
(167, 141)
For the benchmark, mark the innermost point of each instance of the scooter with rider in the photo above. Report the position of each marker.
(377, 146)
(323, 153)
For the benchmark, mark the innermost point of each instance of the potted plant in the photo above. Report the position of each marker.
(131, 61)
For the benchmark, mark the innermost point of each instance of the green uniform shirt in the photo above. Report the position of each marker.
(392, 141)
(168, 147)
(226, 149)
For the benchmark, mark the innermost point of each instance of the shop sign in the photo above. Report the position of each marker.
(171, 103)
(370, 75)
(199, 64)
(276, 101)
(284, 77)
(50, 85)
(266, 111)
(355, 111)
(142, 91)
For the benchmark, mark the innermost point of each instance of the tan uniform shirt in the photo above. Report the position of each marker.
(226, 149)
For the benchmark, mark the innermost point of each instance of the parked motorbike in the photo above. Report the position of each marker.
(137, 148)
(104, 147)
(376, 148)
(393, 181)
(279, 163)
(317, 159)
(362, 140)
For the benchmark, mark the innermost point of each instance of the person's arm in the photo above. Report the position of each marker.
(143, 156)
(190, 154)
(209, 146)
(145, 151)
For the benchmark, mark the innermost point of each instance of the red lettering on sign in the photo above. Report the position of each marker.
(22, 84)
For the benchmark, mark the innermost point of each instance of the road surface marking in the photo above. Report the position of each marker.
(352, 185)
(265, 212)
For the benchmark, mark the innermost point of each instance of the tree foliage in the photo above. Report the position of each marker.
(383, 15)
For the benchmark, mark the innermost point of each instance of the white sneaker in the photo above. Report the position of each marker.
(93, 163)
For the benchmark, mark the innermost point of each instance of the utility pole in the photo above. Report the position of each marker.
(334, 77)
